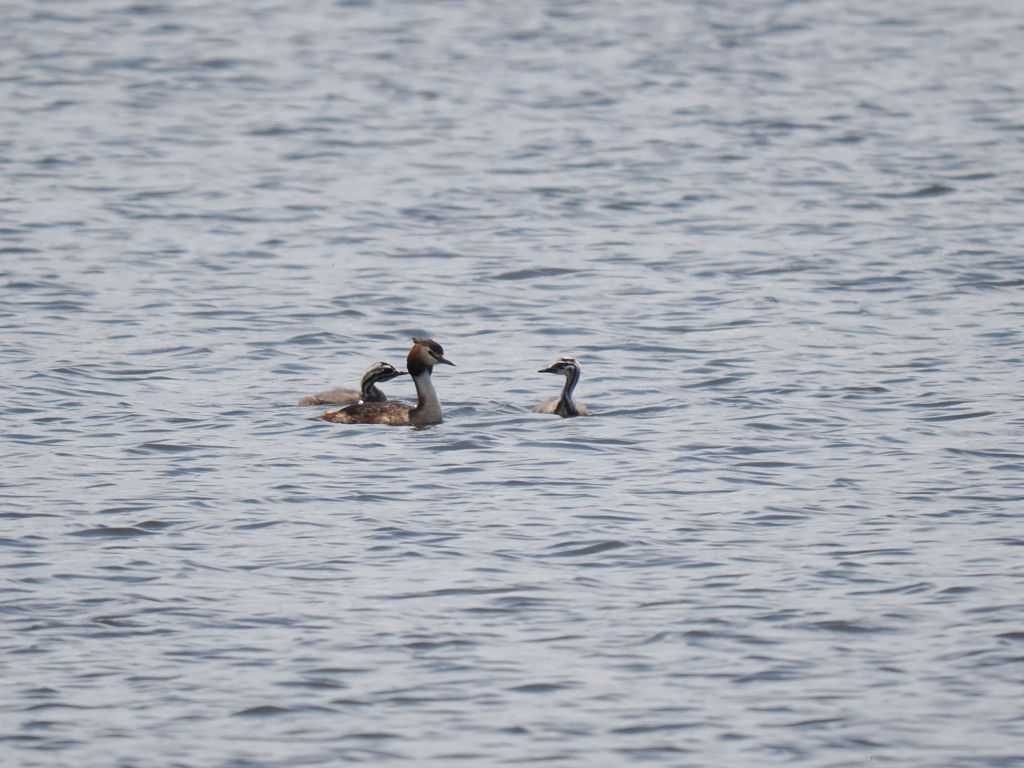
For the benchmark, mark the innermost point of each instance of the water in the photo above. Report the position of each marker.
(784, 241)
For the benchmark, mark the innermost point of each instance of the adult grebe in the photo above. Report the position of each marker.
(563, 404)
(424, 355)
(368, 392)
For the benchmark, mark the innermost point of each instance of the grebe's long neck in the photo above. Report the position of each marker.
(428, 406)
(565, 404)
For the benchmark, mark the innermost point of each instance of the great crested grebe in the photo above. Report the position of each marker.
(424, 355)
(563, 404)
(368, 392)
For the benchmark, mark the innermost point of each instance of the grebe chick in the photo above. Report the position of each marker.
(563, 404)
(367, 392)
(424, 355)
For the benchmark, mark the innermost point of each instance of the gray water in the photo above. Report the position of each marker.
(784, 240)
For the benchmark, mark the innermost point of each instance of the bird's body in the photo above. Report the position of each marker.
(563, 405)
(367, 393)
(423, 356)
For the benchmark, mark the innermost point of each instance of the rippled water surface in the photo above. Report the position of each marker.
(784, 240)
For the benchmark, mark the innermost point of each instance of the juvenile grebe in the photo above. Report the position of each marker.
(368, 392)
(423, 356)
(563, 404)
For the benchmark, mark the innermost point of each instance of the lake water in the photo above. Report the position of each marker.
(783, 239)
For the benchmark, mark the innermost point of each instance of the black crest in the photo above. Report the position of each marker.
(430, 344)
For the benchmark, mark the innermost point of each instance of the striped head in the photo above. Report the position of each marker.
(424, 355)
(379, 372)
(375, 374)
(566, 366)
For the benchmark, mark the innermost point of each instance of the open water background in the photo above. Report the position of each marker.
(784, 239)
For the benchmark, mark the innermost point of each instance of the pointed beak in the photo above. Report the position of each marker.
(549, 369)
(445, 360)
(401, 373)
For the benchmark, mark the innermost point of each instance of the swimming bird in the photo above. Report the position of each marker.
(424, 355)
(563, 404)
(368, 392)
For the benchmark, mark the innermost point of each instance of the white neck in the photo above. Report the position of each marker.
(571, 379)
(566, 407)
(428, 407)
